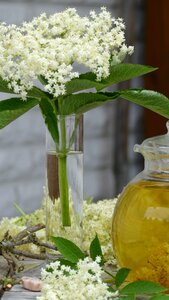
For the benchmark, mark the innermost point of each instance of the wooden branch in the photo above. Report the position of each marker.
(28, 230)
(26, 236)
(29, 254)
(37, 242)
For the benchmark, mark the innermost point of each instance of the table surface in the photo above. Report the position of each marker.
(17, 292)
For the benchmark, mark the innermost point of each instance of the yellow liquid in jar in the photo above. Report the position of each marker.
(141, 227)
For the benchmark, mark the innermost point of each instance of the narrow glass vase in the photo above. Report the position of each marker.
(64, 205)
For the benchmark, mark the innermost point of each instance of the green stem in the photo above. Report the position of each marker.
(63, 181)
(110, 274)
(64, 190)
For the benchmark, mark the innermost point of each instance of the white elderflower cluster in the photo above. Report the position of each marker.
(97, 218)
(60, 282)
(48, 46)
(15, 225)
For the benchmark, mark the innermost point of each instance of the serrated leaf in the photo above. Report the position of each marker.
(118, 73)
(80, 103)
(123, 72)
(11, 109)
(142, 287)
(50, 118)
(148, 99)
(121, 276)
(95, 250)
(68, 249)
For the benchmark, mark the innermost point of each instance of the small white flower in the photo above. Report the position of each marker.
(49, 45)
(84, 283)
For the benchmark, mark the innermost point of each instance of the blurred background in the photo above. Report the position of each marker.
(110, 132)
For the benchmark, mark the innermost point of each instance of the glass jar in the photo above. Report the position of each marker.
(140, 227)
(64, 207)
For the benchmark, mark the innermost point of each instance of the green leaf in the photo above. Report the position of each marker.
(68, 249)
(33, 93)
(50, 118)
(43, 80)
(80, 103)
(110, 289)
(11, 109)
(142, 287)
(121, 276)
(95, 249)
(4, 87)
(149, 99)
(118, 73)
(67, 263)
(84, 82)
(123, 72)
(37, 93)
(160, 297)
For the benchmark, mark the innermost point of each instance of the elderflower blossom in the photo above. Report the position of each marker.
(15, 225)
(60, 282)
(97, 219)
(48, 46)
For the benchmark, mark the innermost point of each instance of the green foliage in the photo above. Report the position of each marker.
(160, 297)
(68, 249)
(130, 291)
(84, 82)
(118, 73)
(34, 92)
(13, 108)
(121, 276)
(4, 87)
(123, 72)
(71, 103)
(67, 263)
(38, 93)
(50, 118)
(142, 287)
(149, 99)
(43, 80)
(83, 102)
(95, 250)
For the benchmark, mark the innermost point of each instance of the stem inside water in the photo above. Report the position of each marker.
(63, 180)
(64, 190)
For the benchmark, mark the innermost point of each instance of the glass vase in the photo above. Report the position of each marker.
(64, 207)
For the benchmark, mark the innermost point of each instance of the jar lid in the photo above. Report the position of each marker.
(158, 144)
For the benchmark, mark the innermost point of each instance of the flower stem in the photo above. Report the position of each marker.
(63, 180)
(64, 190)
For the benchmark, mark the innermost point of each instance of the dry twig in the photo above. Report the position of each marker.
(12, 255)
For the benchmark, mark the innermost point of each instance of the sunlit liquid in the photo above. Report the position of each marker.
(141, 223)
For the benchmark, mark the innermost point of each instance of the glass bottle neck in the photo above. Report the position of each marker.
(157, 167)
